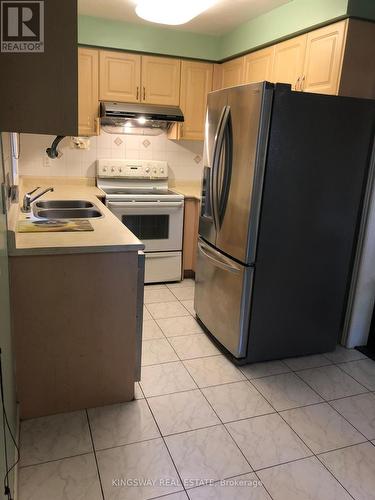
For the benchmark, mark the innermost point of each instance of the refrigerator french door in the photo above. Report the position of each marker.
(237, 124)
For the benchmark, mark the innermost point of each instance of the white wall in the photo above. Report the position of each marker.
(184, 157)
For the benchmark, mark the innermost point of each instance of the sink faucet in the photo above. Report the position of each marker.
(28, 200)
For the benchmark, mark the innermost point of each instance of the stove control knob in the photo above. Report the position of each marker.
(147, 170)
(120, 170)
(162, 170)
(155, 171)
(113, 169)
(104, 169)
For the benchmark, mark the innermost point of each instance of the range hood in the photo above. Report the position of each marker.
(146, 119)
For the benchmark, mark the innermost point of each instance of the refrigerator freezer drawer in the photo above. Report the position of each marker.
(222, 298)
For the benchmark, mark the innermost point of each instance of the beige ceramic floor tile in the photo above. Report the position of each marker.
(304, 362)
(183, 411)
(184, 293)
(322, 428)
(214, 370)
(354, 467)
(166, 379)
(267, 441)
(189, 305)
(157, 351)
(175, 496)
(237, 401)
(148, 462)
(146, 314)
(167, 310)
(71, 478)
(267, 368)
(54, 437)
(120, 424)
(184, 325)
(245, 487)
(156, 286)
(286, 391)
(331, 382)
(304, 479)
(181, 284)
(363, 371)
(341, 355)
(159, 295)
(193, 346)
(151, 330)
(138, 394)
(360, 411)
(205, 455)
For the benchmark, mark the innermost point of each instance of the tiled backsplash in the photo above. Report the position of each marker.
(184, 157)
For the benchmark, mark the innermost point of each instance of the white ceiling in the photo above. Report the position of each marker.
(221, 18)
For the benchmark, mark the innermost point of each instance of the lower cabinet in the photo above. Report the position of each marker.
(191, 220)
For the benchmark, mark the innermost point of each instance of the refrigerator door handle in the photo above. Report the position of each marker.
(217, 259)
(219, 139)
(215, 161)
(225, 165)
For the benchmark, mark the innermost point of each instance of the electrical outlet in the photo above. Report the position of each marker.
(47, 162)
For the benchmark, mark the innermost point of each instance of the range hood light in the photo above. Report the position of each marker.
(141, 120)
(172, 12)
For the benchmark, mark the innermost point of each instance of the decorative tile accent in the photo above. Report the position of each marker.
(118, 141)
(197, 159)
(146, 143)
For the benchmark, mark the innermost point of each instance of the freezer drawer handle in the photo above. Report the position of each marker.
(217, 262)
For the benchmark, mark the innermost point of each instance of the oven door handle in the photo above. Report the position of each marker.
(148, 204)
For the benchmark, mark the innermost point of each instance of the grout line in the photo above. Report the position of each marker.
(96, 458)
(56, 459)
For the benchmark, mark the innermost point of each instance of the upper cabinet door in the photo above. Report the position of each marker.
(258, 65)
(232, 72)
(324, 52)
(161, 80)
(196, 82)
(88, 95)
(120, 76)
(289, 61)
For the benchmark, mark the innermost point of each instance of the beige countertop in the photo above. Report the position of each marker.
(109, 234)
(188, 189)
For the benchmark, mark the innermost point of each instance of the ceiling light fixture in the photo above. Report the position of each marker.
(171, 11)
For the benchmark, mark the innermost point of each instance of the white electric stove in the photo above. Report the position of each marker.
(137, 193)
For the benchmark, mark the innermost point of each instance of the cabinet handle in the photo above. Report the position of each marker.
(297, 83)
(302, 82)
(144, 93)
(137, 97)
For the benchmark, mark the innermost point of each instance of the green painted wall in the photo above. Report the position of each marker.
(289, 18)
(5, 338)
(129, 36)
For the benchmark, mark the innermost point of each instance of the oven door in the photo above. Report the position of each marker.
(158, 224)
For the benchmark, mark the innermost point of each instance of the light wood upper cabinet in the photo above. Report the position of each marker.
(258, 65)
(161, 80)
(232, 72)
(289, 60)
(88, 95)
(120, 76)
(196, 82)
(323, 60)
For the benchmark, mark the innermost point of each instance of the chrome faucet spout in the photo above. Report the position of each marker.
(28, 200)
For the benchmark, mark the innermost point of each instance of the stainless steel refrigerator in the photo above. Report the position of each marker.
(285, 176)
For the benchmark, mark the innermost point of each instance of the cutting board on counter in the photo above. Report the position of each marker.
(53, 226)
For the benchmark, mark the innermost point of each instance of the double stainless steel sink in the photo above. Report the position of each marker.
(66, 209)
